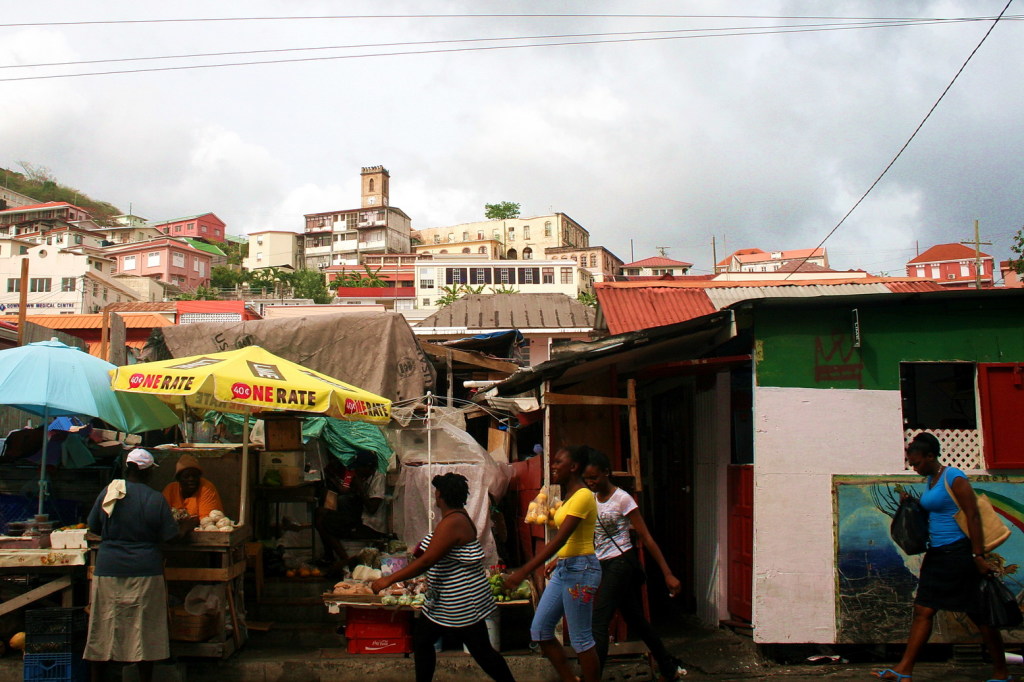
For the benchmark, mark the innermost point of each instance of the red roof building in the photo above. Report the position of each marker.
(203, 226)
(757, 260)
(656, 266)
(953, 266)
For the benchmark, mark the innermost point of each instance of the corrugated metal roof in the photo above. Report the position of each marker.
(914, 287)
(144, 306)
(93, 321)
(722, 297)
(629, 306)
(626, 310)
(513, 311)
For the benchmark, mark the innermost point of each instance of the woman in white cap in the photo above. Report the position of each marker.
(128, 616)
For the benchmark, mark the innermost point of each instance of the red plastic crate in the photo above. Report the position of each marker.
(371, 624)
(380, 645)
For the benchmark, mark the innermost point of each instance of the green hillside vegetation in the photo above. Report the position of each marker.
(39, 183)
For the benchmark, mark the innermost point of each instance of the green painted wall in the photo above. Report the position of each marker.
(811, 346)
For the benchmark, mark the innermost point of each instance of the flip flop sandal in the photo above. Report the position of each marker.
(881, 674)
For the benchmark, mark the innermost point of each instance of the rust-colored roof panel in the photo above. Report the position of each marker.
(946, 252)
(656, 262)
(917, 287)
(93, 321)
(630, 309)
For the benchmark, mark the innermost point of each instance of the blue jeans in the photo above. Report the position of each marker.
(570, 592)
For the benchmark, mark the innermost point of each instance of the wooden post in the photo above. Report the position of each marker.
(634, 436)
(23, 302)
(105, 335)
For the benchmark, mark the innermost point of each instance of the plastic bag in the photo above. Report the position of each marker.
(909, 528)
(999, 608)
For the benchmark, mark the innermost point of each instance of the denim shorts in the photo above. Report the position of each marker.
(570, 592)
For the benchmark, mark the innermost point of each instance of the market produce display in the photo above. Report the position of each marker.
(496, 578)
(542, 509)
(216, 522)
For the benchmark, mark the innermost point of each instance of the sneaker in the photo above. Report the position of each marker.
(674, 671)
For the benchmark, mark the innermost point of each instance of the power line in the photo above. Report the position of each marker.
(468, 40)
(486, 48)
(349, 17)
(910, 139)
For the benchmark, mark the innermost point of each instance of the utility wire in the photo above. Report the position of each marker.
(907, 143)
(485, 48)
(474, 40)
(192, 20)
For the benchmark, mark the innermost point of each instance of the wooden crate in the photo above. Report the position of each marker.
(186, 627)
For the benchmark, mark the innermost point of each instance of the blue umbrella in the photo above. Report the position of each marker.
(50, 379)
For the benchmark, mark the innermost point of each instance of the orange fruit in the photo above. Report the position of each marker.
(290, 573)
(18, 641)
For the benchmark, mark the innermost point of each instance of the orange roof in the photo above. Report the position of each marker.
(652, 305)
(93, 321)
(656, 262)
(783, 255)
(740, 252)
(694, 283)
(94, 348)
(946, 252)
(48, 204)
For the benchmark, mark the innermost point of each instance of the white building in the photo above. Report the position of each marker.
(61, 281)
(435, 278)
(274, 249)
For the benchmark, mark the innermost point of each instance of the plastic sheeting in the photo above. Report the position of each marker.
(450, 450)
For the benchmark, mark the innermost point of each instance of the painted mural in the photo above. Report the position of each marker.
(876, 580)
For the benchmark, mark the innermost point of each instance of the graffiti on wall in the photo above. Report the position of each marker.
(877, 581)
(834, 359)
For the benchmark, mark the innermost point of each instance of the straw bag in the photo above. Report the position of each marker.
(994, 530)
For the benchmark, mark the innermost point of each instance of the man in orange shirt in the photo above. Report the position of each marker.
(190, 491)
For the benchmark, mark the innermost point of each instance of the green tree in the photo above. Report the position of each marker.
(223, 277)
(1017, 246)
(587, 298)
(453, 292)
(201, 293)
(371, 278)
(503, 210)
(235, 251)
(308, 283)
(504, 290)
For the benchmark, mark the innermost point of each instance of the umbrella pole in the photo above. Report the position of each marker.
(42, 461)
(430, 463)
(243, 506)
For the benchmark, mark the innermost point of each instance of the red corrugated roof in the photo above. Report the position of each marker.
(627, 309)
(904, 287)
(656, 262)
(48, 204)
(944, 252)
(740, 252)
(93, 321)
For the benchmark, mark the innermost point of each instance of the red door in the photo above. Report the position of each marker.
(741, 541)
(1001, 389)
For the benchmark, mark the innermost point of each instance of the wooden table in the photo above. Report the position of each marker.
(211, 557)
(62, 566)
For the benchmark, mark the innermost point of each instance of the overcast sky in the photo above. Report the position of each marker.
(758, 140)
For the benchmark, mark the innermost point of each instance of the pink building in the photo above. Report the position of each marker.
(168, 260)
(951, 265)
(203, 226)
(28, 218)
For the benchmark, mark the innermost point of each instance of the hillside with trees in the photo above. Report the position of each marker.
(39, 183)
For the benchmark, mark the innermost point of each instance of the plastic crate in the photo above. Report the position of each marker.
(56, 621)
(55, 668)
(380, 645)
(56, 643)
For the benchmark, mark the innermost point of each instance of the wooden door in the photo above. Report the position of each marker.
(741, 541)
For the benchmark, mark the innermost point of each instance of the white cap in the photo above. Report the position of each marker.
(142, 458)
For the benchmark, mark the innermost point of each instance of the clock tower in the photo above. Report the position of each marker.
(375, 180)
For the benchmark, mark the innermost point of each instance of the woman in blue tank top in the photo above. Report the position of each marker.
(954, 563)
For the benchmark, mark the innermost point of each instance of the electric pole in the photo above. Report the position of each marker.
(977, 254)
(714, 255)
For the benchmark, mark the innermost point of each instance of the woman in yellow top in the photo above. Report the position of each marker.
(190, 491)
(575, 576)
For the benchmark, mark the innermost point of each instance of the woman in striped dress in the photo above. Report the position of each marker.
(458, 595)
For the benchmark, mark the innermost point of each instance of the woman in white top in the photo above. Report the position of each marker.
(621, 573)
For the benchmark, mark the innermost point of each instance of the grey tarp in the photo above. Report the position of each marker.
(375, 351)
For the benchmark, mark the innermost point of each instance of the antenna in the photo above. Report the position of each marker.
(662, 250)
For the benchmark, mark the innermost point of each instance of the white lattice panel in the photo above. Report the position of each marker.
(961, 448)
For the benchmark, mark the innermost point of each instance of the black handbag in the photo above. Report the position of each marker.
(909, 527)
(999, 608)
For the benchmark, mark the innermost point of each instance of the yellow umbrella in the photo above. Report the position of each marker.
(249, 380)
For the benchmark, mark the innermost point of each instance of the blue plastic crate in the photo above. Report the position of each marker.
(55, 668)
